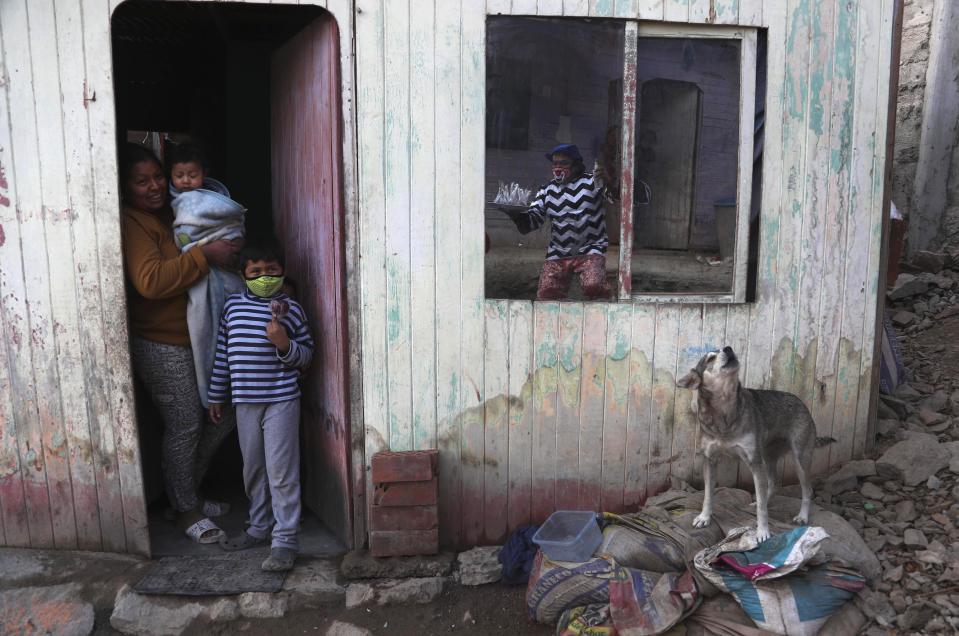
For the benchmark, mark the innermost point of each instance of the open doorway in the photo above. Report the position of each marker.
(258, 87)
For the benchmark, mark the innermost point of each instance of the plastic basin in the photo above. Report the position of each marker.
(569, 535)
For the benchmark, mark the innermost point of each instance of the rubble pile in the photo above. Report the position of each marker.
(905, 503)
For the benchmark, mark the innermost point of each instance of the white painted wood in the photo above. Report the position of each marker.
(650, 9)
(569, 377)
(494, 7)
(665, 360)
(751, 12)
(689, 346)
(396, 53)
(521, 411)
(604, 8)
(627, 160)
(616, 406)
(471, 244)
(676, 10)
(448, 373)
(639, 416)
(496, 422)
(592, 422)
(578, 8)
(523, 7)
(25, 307)
(714, 338)
(422, 225)
(546, 369)
(549, 7)
(744, 177)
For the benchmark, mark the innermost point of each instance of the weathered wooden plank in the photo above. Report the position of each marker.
(372, 221)
(603, 8)
(751, 12)
(423, 171)
(115, 439)
(592, 411)
(520, 411)
(494, 7)
(639, 415)
(891, 17)
(616, 406)
(744, 167)
(626, 9)
(569, 377)
(545, 370)
(835, 256)
(95, 402)
(397, 75)
(523, 7)
(651, 9)
(627, 168)
(676, 10)
(448, 371)
(26, 314)
(576, 8)
(808, 327)
(665, 358)
(715, 318)
(549, 7)
(496, 406)
(472, 187)
(14, 366)
(714, 11)
(689, 345)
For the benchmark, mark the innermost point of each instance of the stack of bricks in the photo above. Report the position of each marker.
(404, 519)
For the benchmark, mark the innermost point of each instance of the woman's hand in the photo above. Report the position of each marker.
(216, 413)
(221, 253)
(276, 333)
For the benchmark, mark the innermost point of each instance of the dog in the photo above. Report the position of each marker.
(757, 425)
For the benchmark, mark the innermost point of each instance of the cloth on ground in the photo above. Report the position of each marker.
(517, 555)
(203, 216)
(777, 582)
(892, 372)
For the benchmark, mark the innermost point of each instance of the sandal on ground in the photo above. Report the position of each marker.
(280, 560)
(205, 531)
(241, 541)
(211, 508)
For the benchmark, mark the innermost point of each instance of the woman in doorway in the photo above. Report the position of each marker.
(160, 276)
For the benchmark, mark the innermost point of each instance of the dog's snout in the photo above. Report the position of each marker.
(728, 350)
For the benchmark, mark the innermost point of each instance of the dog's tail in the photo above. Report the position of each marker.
(824, 441)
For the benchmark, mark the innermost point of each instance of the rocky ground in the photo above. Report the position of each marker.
(905, 503)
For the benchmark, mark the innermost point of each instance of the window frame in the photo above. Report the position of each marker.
(748, 37)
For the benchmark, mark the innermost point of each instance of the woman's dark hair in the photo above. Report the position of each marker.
(130, 155)
(268, 250)
(185, 153)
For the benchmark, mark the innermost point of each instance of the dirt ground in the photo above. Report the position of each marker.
(486, 609)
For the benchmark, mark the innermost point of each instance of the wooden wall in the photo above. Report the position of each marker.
(69, 456)
(539, 406)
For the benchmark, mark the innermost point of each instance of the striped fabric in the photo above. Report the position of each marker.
(576, 211)
(247, 365)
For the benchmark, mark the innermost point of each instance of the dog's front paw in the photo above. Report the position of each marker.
(762, 534)
(801, 519)
(701, 520)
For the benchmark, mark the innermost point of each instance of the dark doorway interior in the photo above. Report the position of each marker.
(207, 73)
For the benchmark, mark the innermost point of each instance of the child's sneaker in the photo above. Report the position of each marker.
(280, 560)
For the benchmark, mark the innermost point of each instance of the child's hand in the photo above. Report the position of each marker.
(276, 333)
(216, 413)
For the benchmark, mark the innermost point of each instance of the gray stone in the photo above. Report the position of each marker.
(340, 628)
(359, 564)
(894, 575)
(938, 402)
(907, 285)
(915, 616)
(839, 482)
(57, 610)
(870, 490)
(886, 427)
(886, 412)
(933, 483)
(479, 566)
(415, 591)
(905, 510)
(913, 460)
(903, 318)
(913, 538)
(932, 262)
(899, 408)
(168, 615)
(928, 417)
(262, 605)
(908, 392)
(312, 584)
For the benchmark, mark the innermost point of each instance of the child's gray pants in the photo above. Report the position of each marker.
(270, 442)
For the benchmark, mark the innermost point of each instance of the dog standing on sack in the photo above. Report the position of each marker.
(757, 425)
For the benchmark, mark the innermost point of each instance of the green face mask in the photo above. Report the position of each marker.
(264, 286)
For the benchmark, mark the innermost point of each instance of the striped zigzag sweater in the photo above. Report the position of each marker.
(247, 365)
(576, 211)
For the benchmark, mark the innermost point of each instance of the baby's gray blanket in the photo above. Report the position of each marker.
(202, 216)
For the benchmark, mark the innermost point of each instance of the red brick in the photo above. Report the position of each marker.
(385, 543)
(404, 518)
(406, 493)
(392, 466)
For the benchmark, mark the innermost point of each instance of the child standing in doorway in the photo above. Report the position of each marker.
(263, 343)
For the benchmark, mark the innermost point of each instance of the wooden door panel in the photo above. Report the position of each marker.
(307, 209)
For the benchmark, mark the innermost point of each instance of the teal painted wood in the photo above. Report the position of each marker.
(569, 378)
(616, 406)
(639, 409)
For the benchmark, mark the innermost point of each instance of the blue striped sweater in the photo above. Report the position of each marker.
(247, 365)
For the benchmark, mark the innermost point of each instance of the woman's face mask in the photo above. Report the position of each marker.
(562, 168)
